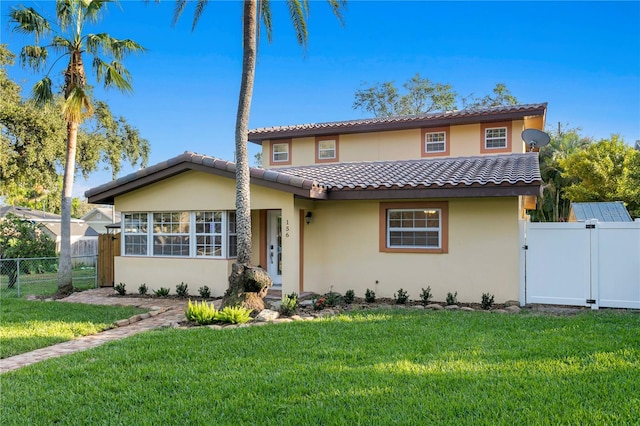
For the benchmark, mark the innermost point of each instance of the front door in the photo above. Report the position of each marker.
(274, 246)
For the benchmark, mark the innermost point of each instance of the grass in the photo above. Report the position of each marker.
(387, 367)
(29, 325)
(46, 283)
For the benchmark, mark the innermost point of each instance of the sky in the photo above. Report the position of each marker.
(583, 58)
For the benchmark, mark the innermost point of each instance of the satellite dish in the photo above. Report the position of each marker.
(535, 138)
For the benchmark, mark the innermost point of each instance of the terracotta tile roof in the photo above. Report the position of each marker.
(509, 169)
(465, 116)
(511, 174)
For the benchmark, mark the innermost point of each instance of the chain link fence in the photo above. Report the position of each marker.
(39, 276)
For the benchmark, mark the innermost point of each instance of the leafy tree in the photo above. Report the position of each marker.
(553, 205)
(604, 171)
(22, 239)
(421, 95)
(253, 12)
(71, 17)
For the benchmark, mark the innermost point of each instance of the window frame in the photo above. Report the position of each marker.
(336, 141)
(442, 206)
(150, 234)
(483, 137)
(447, 141)
(272, 153)
(142, 224)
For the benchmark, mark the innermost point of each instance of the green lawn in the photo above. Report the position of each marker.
(27, 325)
(45, 284)
(391, 367)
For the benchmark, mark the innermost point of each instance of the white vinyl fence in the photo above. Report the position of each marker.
(590, 263)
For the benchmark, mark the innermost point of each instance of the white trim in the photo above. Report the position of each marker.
(435, 143)
(273, 152)
(322, 151)
(495, 138)
(425, 229)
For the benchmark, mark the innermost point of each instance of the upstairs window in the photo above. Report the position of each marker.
(435, 142)
(496, 137)
(326, 149)
(280, 152)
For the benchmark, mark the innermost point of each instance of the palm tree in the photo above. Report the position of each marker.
(254, 11)
(69, 41)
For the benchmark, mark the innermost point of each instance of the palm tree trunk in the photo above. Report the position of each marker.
(243, 204)
(65, 283)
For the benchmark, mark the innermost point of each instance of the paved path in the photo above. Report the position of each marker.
(164, 313)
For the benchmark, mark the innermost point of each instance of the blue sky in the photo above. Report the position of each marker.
(583, 58)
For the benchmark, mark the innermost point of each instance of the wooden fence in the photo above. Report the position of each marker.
(108, 249)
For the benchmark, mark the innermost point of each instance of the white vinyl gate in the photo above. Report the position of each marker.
(593, 264)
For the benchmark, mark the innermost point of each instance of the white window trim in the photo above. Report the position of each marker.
(325, 150)
(155, 234)
(273, 152)
(192, 236)
(414, 229)
(123, 248)
(427, 144)
(503, 138)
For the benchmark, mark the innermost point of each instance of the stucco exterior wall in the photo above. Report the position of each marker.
(168, 272)
(341, 250)
(464, 140)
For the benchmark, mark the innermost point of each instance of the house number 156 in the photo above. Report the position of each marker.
(286, 229)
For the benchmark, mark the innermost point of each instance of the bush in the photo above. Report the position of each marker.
(289, 304)
(143, 289)
(201, 313)
(487, 301)
(319, 304)
(452, 299)
(182, 290)
(401, 297)
(205, 293)
(234, 315)
(370, 296)
(426, 295)
(332, 299)
(349, 297)
(120, 288)
(162, 292)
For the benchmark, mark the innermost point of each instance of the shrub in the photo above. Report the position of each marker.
(401, 297)
(143, 289)
(234, 315)
(332, 299)
(182, 290)
(205, 293)
(120, 288)
(349, 297)
(426, 295)
(289, 304)
(452, 299)
(201, 313)
(319, 304)
(487, 301)
(162, 292)
(370, 296)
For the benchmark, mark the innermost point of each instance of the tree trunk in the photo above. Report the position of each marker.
(243, 203)
(65, 283)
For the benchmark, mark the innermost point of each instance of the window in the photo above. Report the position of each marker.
(414, 227)
(496, 137)
(171, 234)
(180, 234)
(435, 142)
(135, 234)
(326, 149)
(280, 152)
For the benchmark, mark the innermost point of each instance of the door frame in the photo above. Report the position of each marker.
(272, 248)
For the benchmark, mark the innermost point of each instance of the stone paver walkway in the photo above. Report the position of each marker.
(163, 313)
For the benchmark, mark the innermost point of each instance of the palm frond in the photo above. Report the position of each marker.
(41, 92)
(28, 21)
(77, 105)
(198, 12)
(93, 8)
(337, 6)
(61, 44)
(34, 57)
(64, 13)
(177, 11)
(97, 43)
(264, 10)
(116, 75)
(299, 11)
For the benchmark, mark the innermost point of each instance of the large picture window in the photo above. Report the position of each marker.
(414, 227)
(180, 234)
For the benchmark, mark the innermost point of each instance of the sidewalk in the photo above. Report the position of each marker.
(163, 313)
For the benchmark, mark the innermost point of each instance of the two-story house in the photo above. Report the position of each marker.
(385, 203)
